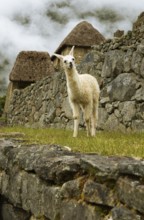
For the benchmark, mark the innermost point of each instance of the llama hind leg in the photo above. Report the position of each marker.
(87, 116)
(93, 127)
(94, 118)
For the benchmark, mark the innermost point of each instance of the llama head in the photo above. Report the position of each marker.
(67, 60)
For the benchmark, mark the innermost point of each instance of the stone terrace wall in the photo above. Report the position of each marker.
(118, 65)
(44, 103)
(51, 183)
(121, 75)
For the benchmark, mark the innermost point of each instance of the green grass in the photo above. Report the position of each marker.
(105, 143)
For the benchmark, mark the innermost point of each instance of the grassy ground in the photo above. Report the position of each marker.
(105, 143)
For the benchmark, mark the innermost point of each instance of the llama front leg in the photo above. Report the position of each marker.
(88, 127)
(76, 116)
(76, 125)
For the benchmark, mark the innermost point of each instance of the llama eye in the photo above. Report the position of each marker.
(73, 59)
(64, 61)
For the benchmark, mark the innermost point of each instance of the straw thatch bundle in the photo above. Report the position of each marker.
(83, 35)
(31, 66)
(139, 22)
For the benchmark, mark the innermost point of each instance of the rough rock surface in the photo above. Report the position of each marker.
(48, 182)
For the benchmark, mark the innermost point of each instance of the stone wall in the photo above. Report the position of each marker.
(48, 182)
(118, 64)
(121, 76)
(44, 103)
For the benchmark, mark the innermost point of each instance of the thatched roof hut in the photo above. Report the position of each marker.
(139, 22)
(83, 36)
(31, 66)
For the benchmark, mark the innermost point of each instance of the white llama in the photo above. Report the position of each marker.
(83, 92)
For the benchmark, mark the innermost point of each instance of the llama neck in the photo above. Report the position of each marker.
(72, 77)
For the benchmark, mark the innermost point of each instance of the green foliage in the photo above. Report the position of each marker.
(108, 15)
(57, 17)
(23, 20)
(2, 102)
(105, 143)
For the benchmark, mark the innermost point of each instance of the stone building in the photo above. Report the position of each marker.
(83, 36)
(29, 67)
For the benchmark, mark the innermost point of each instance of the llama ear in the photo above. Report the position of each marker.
(72, 51)
(58, 56)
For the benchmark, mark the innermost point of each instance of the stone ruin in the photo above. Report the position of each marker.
(83, 36)
(48, 182)
(29, 67)
(117, 63)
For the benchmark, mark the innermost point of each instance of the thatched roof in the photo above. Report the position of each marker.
(139, 22)
(83, 35)
(31, 66)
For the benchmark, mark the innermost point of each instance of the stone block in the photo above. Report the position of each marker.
(99, 194)
(122, 213)
(131, 192)
(9, 212)
(122, 88)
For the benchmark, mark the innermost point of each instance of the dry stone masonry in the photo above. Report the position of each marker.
(118, 64)
(48, 182)
(42, 104)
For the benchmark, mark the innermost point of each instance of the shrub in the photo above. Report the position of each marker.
(2, 102)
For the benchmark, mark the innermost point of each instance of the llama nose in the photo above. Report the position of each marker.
(71, 64)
